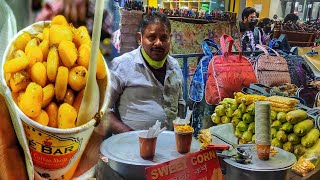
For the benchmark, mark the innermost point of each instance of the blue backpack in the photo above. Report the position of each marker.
(199, 79)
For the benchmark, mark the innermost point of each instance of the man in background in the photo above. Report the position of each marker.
(251, 35)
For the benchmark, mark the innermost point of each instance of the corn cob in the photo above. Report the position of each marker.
(283, 100)
(282, 109)
(279, 105)
(248, 98)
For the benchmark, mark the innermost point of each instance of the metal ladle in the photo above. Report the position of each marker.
(240, 151)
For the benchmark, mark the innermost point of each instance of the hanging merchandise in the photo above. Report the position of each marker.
(271, 70)
(307, 92)
(201, 110)
(198, 82)
(293, 59)
(228, 73)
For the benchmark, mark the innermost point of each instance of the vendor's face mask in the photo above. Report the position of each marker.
(151, 62)
(155, 42)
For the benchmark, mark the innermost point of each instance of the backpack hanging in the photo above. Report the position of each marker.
(271, 70)
(293, 60)
(198, 82)
(227, 73)
(307, 92)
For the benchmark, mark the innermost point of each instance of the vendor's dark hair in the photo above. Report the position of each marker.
(152, 18)
(247, 11)
(291, 17)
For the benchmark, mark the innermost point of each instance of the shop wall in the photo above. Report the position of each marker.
(234, 5)
(152, 3)
(263, 5)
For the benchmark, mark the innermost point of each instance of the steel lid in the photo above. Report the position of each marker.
(281, 161)
(124, 148)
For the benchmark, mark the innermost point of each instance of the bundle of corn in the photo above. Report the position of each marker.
(248, 98)
(204, 138)
(282, 104)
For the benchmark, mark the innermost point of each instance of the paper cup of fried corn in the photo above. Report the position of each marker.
(183, 135)
(44, 72)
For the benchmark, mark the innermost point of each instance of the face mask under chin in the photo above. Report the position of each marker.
(153, 63)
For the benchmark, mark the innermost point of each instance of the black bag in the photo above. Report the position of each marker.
(306, 92)
(294, 63)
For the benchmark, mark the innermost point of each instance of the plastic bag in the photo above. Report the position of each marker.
(309, 161)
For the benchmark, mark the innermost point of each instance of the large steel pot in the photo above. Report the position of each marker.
(277, 167)
(123, 153)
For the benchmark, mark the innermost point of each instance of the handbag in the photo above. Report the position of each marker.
(228, 73)
(198, 82)
(307, 92)
(293, 59)
(296, 62)
(271, 70)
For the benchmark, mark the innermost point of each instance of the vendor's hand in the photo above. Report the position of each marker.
(75, 10)
(11, 155)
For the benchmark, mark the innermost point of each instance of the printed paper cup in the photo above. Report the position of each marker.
(55, 153)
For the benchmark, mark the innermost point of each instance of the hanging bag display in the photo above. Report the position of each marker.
(201, 114)
(271, 70)
(294, 62)
(307, 92)
(228, 73)
(198, 82)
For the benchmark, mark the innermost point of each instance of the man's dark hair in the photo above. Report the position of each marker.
(152, 18)
(247, 11)
(291, 17)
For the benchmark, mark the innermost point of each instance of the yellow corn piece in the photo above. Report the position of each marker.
(279, 105)
(238, 96)
(283, 100)
(184, 128)
(282, 109)
(205, 138)
(303, 166)
(248, 98)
